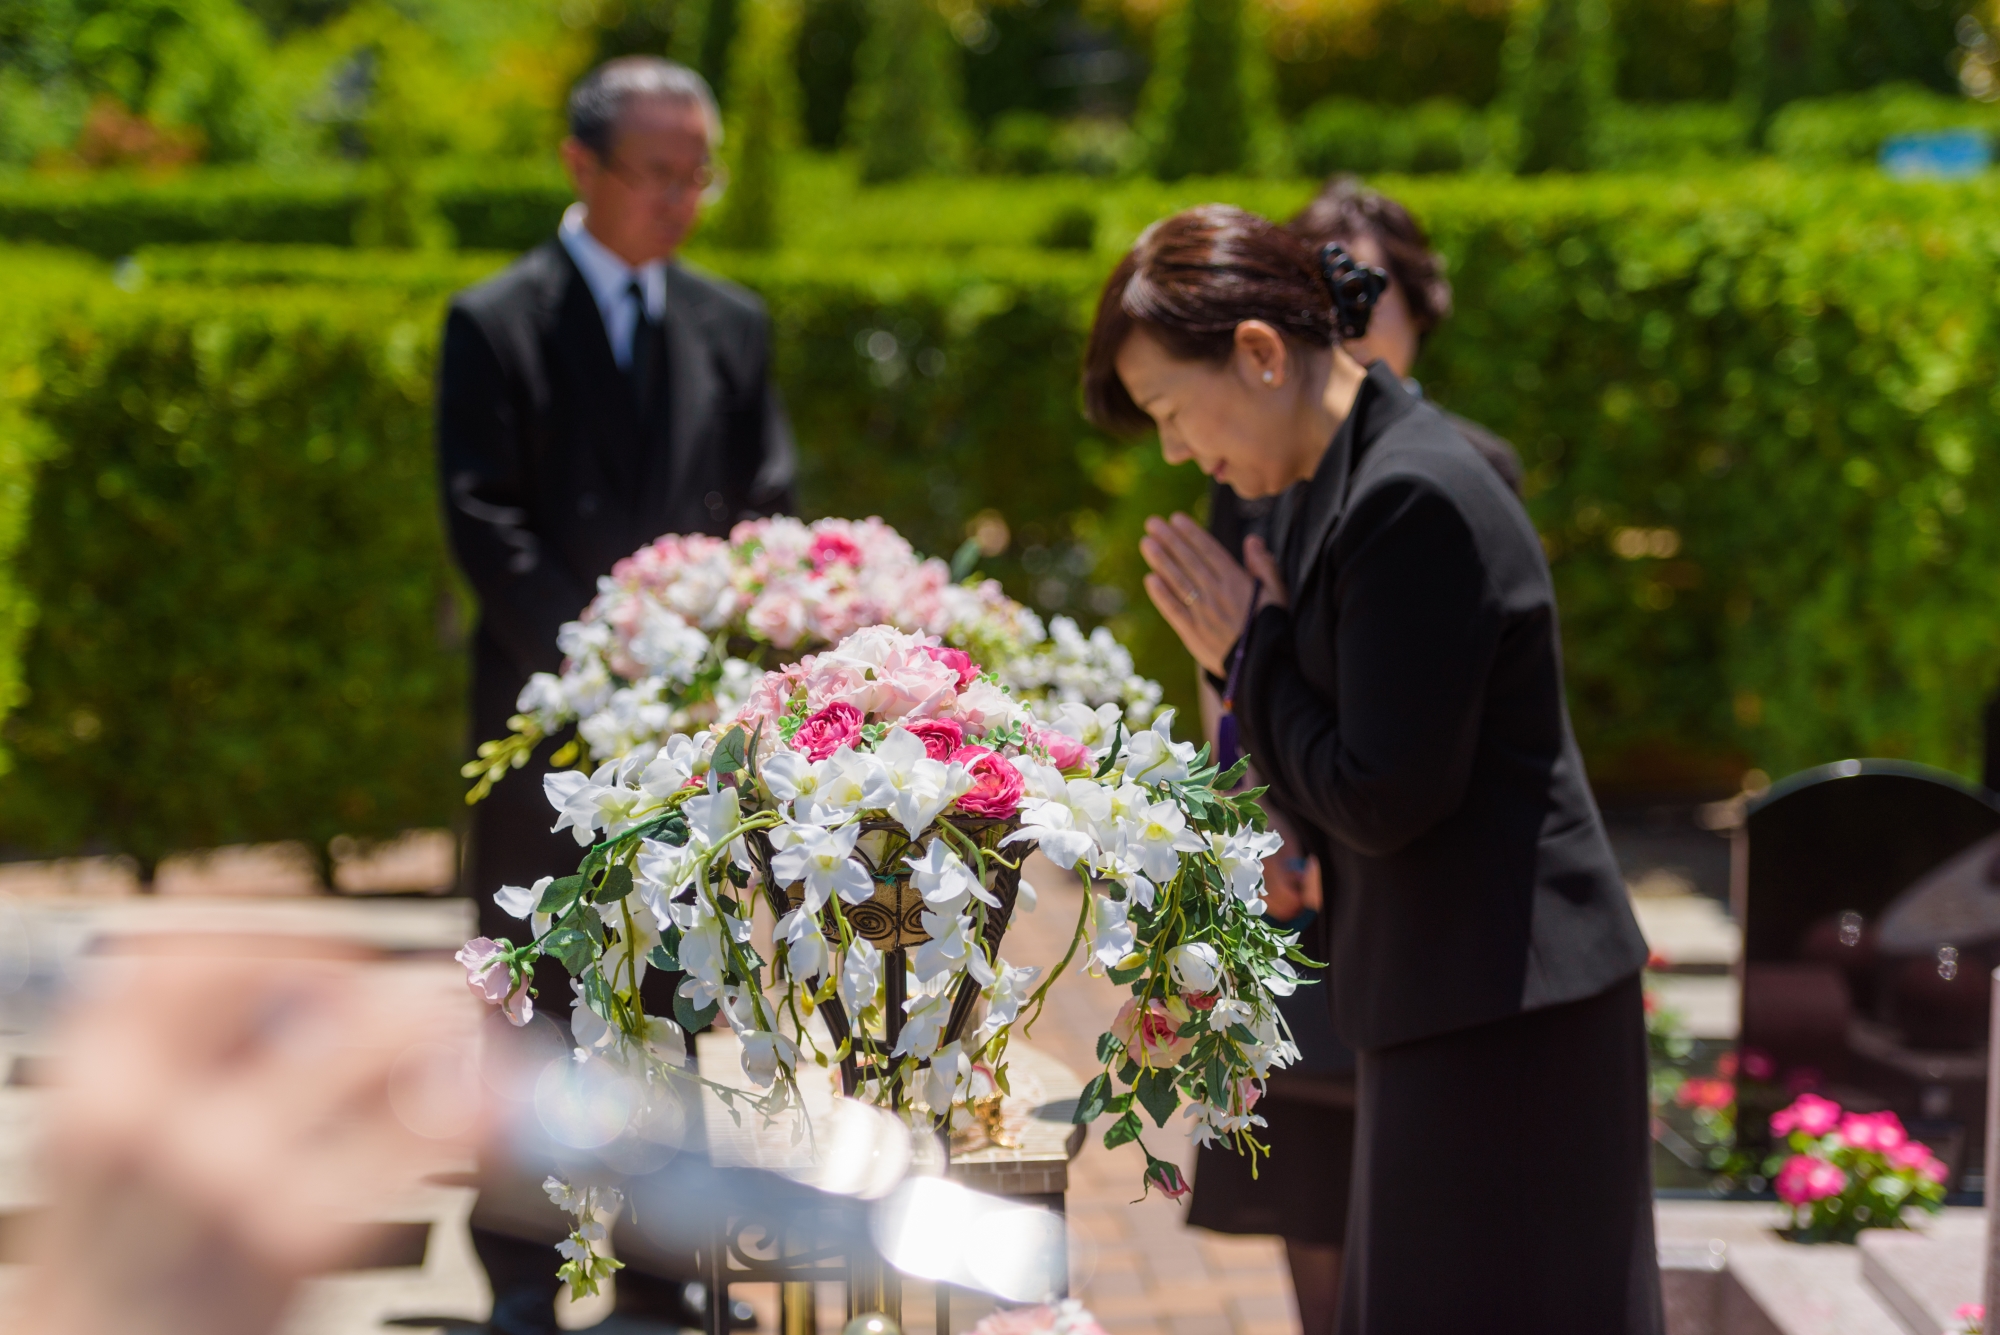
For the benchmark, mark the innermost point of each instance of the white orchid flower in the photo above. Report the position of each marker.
(670, 768)
(664, 871)
(1228, 1011)
(711, 817)
(1052, 827)
(1037, 779)
(544, 700)
(1092, 727)
(823, 860)
(946, 950)
(702, 957)
(909, 785)
(949, 1071)
(519, 901)
(1007, 989)
(1241, 859)
(944, 880)
(1114, 938)
(805, 945)
(1158, 836)
(860, 977)
(1282, 981)
(1119, 868)
(1195, 966)
(585, 803)
(927, 1014)
(590, 1030)
(1153, 756)
(763, 1053)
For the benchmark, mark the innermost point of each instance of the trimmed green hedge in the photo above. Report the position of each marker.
(1756, 412)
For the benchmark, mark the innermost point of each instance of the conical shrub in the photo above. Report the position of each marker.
(907, 115)
(762, 122)
(1208, 107)
(1558, 69)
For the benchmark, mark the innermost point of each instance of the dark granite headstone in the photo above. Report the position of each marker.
(1871, 924)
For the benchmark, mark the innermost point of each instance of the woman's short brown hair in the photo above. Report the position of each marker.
(1345, 210)
(1189, 280)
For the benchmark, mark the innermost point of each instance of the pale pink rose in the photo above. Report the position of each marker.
(985, 705)
(1064, 751)
(1805, 1179)
(779, 616)
(1880, 1132)
(486, 973)
(1809, 1113)
(1153, 1033)
(996, 785)
(833, 728)
(1168, 1179)
(941, 737)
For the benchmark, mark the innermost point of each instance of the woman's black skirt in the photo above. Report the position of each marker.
(1503, 1179)
(1300, 1191)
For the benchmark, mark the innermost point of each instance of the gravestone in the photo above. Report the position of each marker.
(1869, 894)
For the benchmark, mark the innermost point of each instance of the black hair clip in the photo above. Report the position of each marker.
(1356, 288)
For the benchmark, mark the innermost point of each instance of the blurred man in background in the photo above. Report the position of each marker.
(592, 397)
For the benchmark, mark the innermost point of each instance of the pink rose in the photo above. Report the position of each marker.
(1805, 1179)
(1810, 1113)
(941, 737)
(833, 549)
(1154, 1033)
(996, 784)
(487, 974)
(1168, 1179)
(1757, 1065)
(835, 727)
(779, 616)
(1065, 751)
(957, 660)
(1880, 1132)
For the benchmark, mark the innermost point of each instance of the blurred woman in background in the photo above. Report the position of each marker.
(1309, 1108)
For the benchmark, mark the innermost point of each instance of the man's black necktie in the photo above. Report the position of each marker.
(648, 352)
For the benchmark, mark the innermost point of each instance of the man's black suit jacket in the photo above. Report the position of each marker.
(1408, 710)
(550, 476)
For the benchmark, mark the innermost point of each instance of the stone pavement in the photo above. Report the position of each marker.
(1133, 1261)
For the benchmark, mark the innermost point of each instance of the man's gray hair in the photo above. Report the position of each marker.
(599, 98)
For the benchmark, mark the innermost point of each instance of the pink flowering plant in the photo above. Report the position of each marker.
(680, 632)
(877, 799)
(1850, 1171)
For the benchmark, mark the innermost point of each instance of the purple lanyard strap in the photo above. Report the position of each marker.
(1227, 751)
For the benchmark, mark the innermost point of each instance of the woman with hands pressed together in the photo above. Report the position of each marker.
(1393, 664)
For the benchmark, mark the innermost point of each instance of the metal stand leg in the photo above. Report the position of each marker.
(943, 1308)
(798, 1308)
(718, 1286)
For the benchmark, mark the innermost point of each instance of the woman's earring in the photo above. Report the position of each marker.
(1270, 376)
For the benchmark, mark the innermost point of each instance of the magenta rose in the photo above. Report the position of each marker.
(833, 549)
(1065, 751)
(942, 738)
(958, 661)
(834, 727)
(996, 784)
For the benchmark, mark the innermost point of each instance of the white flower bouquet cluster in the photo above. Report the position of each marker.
(680, 631)
(877, 798)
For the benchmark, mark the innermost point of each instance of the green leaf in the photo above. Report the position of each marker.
(573, 947)
(690, 1019)
(1125, 1129)
(965, 560)
(1128, 1072)
(1233, 775)
(729, 752)
(1125, 976)
(616, 885)
(1156, 1091)
(1107, 1046)
(1090, 1104)
(666, 955)
(561, 894)
(1241, 1033)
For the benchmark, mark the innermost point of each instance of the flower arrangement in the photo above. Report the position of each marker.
(680, 631)
(876, 797)
(1850, 1171)
(1068, 1317)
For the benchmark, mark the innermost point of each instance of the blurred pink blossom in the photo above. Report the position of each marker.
(1809, 1113)
(1880, 1132)
(1805, 1179)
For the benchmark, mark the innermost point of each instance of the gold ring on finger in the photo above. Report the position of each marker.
(1191, 597)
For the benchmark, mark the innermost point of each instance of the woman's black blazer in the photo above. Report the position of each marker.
(1408, 708)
